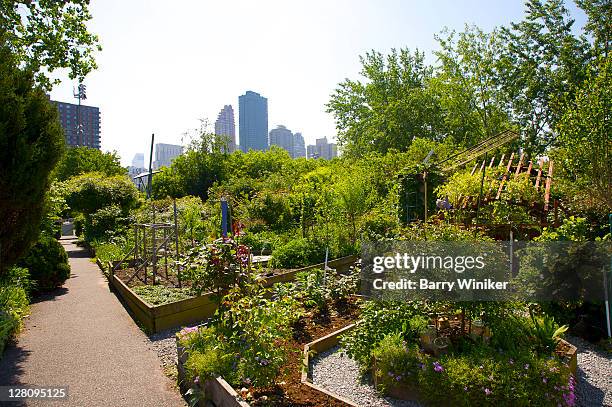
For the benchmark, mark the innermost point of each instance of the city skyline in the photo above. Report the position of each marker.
(320, 47)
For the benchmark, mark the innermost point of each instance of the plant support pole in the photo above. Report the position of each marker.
(607, 285)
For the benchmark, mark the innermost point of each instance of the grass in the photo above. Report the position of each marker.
(159, 294)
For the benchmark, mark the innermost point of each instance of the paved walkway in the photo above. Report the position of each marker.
(83, 338)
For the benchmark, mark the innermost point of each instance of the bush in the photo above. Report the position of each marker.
(47, 262)
(379, 319)
(105, 224)
(14, 304)
(298, 253)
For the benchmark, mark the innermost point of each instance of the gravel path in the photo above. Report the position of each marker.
(164, 344)
(594, 375)
(82, 337)
(338, 373)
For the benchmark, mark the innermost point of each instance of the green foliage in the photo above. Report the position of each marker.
(571, 230)
(49, 35)
(389, 107)
(91, 192)
(584, 131)
(246, 341)
(298, 253)
(47, 263)
(310, 286)
(379, 319)
(81, 160)
(105, 203)
(394, 358)
(31, 143)
(159, 294)
(218, 266)
(14, 304)
(482, 376)
(542, 60)
(546, 333)
(108, 251)
(467, 85)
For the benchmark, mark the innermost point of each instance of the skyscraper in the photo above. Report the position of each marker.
(138, 160)
(253, 121)
(225, 128)
(299, 146)
(283, 137)
(81, 124)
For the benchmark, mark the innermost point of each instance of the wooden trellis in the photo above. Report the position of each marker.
(541, 177)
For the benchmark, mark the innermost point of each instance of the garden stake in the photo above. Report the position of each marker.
(176, 240)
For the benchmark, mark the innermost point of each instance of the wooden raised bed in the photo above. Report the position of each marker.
(156, 318)
(318, 346)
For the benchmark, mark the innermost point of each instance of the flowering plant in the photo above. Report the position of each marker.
(218, 266)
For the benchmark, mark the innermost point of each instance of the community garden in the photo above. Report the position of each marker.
(254, 258)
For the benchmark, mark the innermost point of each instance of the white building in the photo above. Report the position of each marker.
(138, 160)
(165, 154)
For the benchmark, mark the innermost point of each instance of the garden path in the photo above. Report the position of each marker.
(82, 337)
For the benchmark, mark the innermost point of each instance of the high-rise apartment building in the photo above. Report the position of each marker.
(81, 124)
(299, 146)
(283, 137)
(225, 128)
(253, 121)
(165, 154)
(138, 160)
(322, 149)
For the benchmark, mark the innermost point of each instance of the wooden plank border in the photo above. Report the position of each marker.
(318, 346)
(156, 318)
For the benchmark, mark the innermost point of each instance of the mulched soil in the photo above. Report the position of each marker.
(290, 391)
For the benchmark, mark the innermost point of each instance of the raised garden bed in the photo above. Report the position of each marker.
(156, 318)
(291, 388)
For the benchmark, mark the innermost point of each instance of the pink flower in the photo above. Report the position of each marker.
(487, 391)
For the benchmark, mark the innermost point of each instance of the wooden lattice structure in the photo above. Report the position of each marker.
(540, 175)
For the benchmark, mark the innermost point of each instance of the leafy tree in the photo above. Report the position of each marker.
(195, 171)
(585, 131)
(79, 160)
(389, 108)
(542, 60)
(31, 144)
(467, 84)
(46, 35)
(599, 24)
(93, 191)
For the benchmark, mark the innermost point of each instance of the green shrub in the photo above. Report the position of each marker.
(246, 340)
(14, 304)
(395, 360)
(378, 319)
(47, 263)
(298, 253)
(105, 224)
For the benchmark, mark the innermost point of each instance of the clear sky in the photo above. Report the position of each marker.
(166, 64)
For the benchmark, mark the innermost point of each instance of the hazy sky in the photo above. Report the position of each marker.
(166, 64)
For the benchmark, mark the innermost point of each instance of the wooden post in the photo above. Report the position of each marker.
(176, 241)
(166, 251)
(144, 248)
(548, 184)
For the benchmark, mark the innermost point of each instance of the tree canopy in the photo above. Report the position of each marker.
(46, 35)
(79, 160)
(31, 144)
